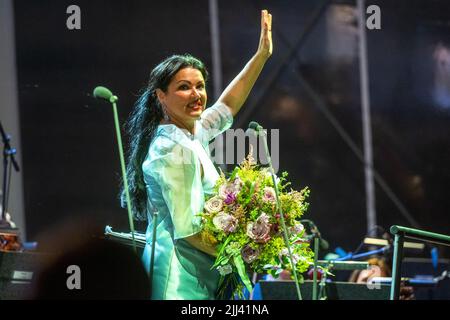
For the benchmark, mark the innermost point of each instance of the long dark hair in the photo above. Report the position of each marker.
(142, 124)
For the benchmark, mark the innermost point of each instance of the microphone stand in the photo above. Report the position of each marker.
(113, 100)
(316, 236)
(261, 133)
(316, 256)
(8, 152)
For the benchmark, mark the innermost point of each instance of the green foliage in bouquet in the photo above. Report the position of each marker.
(243, 221)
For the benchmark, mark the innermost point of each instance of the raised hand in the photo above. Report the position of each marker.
(265, 41)
(237, 91)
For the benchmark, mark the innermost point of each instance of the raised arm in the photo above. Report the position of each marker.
(237, 91)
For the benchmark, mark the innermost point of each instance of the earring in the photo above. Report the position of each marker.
(166, 116)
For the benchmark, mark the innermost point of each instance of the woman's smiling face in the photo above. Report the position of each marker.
(185, 97)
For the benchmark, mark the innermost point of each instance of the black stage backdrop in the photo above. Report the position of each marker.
(71, 164)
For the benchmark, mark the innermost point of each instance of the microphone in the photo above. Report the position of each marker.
(255, 126)
(104, 93)
(324, 245)
(254, 129)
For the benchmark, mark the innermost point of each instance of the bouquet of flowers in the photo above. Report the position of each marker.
(243, 221)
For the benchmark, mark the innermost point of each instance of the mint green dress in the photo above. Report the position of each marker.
(176, 189)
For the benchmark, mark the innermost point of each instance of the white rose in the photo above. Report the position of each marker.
(214, 205)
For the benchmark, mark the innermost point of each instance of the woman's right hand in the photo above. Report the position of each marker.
(238, 90)
(265, 47)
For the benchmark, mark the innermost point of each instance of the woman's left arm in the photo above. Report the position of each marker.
(237, 91)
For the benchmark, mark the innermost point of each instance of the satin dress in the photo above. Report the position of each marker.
(176, 190)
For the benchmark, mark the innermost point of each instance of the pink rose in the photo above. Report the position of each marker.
(249, 254)
(225, 222)
(259, 230)
(226, 189)
(269, 195)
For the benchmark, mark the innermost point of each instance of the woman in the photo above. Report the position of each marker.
(170, 170)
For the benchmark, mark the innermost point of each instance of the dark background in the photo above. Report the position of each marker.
(71, 166)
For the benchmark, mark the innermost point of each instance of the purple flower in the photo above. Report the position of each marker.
(249, 254)
(225, 222)
(231, 198)
(259, 230)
